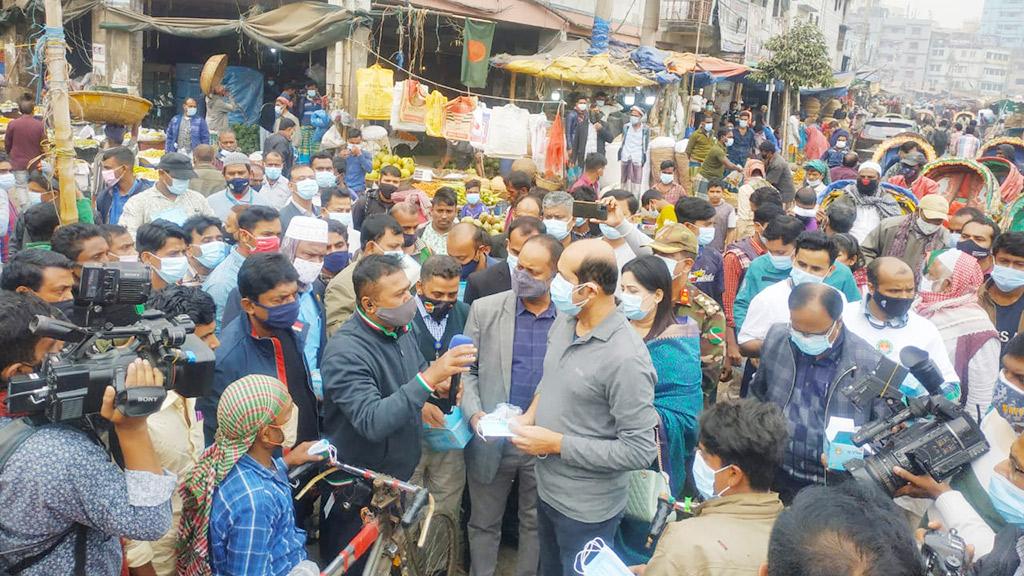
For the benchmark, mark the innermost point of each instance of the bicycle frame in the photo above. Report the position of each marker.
(354, 550)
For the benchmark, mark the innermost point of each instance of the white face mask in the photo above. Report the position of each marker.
(813, 183)
(581, 107)
(599, 103)
(841, 144)
(634, 120)
(308, 271)
(927, 228)
(729, 141)
(667, 178)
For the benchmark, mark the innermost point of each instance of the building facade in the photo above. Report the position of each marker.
(1000, 20)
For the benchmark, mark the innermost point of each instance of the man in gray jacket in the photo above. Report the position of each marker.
(596, 421)
(511, 331)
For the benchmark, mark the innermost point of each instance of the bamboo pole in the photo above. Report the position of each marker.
(60, 113)
(696, 60)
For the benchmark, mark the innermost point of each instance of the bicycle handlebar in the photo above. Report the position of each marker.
(412, 513)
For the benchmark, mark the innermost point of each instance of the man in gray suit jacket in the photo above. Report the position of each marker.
(510, 329)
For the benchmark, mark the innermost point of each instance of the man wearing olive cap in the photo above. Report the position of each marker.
(912, 236)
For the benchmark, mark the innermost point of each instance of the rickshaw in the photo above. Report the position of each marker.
(887, 153)
(965, 182)
(1010, 180)
(991, 146)
(904, 197)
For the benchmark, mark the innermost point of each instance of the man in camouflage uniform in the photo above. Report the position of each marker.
(677, 246)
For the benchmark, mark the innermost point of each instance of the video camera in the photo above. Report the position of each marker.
(944, 554)
(947, 438)
(104, 286)
(71, 384)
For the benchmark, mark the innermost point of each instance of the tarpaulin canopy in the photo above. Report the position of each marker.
(838, 89)
(298, 27)
(680, 63)
(569, 62)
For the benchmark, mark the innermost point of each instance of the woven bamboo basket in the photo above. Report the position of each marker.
(108, 107)
(213, 72)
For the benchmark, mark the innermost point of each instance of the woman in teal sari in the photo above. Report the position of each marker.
(646, 294)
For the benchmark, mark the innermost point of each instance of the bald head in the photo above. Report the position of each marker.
(592, 261)
(467, 242)
(405, 209)
(884, 270)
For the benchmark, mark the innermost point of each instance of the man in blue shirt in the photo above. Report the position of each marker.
(119, 183)
(358, 162)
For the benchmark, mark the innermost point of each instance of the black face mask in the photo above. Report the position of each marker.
(409, 240)
(386, 190)
(972, 248)
(437, 309)
(893, 307)
(867, 187)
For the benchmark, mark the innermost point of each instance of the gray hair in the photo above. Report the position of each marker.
(557, 200)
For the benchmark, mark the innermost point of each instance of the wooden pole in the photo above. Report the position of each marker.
(60, 113)
(696, 59)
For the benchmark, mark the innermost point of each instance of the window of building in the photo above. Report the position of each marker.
(913, 45)
(911, 59)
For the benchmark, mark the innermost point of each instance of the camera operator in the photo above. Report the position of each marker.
(846, 530)
(43, 273)
(65, 503)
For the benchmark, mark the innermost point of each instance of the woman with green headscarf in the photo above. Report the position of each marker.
(237, 515)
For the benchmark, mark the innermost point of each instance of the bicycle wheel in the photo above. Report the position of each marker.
(440, 553)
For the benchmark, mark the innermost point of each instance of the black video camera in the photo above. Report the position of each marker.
(110, 291)
(944, 440)
(71, 384)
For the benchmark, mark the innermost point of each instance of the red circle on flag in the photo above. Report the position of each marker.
(476, 50)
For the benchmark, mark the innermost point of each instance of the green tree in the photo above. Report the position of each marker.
(799, 57)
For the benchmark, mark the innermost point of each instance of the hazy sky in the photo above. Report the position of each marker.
(948, 13)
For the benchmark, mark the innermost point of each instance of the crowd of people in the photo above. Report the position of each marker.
(702, 332)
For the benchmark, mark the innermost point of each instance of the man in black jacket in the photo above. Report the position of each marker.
(440, 316)
(494, 279)
(375, 385)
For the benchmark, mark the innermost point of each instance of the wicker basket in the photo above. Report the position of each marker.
(550, 184)
(213, 72)
(108, 107)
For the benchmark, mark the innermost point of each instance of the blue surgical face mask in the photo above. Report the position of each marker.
(561, 296)
(173, 268)
(336, 261)
(1007, 499)
(704, 477)
(799, 277)
(326, 179)
(1007, 279)
(633, 306)
(954, 239)
(579, 222)
(512, 260)
(212, 253)
(272, 172)
(7, 181)
(472, 199)
(705, 235)
(610, 232)
(178, 186)
(557, 228)
(781, 262)
(307, 188)
(343, 217)
(281, 316)
(812, 345)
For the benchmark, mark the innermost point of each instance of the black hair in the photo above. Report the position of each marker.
(986, 221)
(604, 273)
(42, 180)
(354, 133)
(851, 159)
(970, 129)
(767, 146)
(667, 164)
(338, 228)
(538, 198)
(958, 126)
(554, 247)
(40, 221)
(748, 434)
(689, 209)
(765, 195)
(286, 123)
(390, 170)
(717, 183)
(650, 196)
(111, 231)
(253, 215)
(584, 194)
(339, 164)
(370, 269)
(1015, 347)
(724, 132)
(651, 273)
(446, 196)
(528, 225)
(817, 242)
(842, 530)
(807, 195)
(330, 192)
(440, 265)
(785, 227)
(68, 240)
(176, 300)
(322, 155)
(198, 224)
(767, 212)
(122, 154)
(375, 226)
(153, 236)
(632, 204)
(474, 183)
(909, 146)
(847, 244)
(26, 268)
(841, 216)
(262, 272)
(1011, 243)
(970, 211)
(594, 160)
(517, 180)
(17, 341)
(803, 295)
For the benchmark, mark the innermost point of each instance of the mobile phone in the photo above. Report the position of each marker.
(589, 210)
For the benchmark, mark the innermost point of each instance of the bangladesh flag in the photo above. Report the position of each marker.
(476, 52)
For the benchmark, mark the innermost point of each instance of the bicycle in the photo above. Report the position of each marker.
(399, 543)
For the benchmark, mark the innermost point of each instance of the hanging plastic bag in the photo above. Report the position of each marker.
(481, 126)
(397, 102)
(509, 133)
(434, 118)
(458, 118)
(554, 157)
(374, 86)
(412, 107)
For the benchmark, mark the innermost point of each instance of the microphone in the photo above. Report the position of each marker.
(447, 405)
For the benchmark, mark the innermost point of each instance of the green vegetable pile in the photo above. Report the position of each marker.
(248, 137)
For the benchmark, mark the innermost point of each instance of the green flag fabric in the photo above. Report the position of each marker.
(476, 52)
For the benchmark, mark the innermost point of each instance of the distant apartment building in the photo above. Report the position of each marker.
(963, 65)
(1001, 20)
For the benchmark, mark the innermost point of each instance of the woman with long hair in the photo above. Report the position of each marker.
(646, 294)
